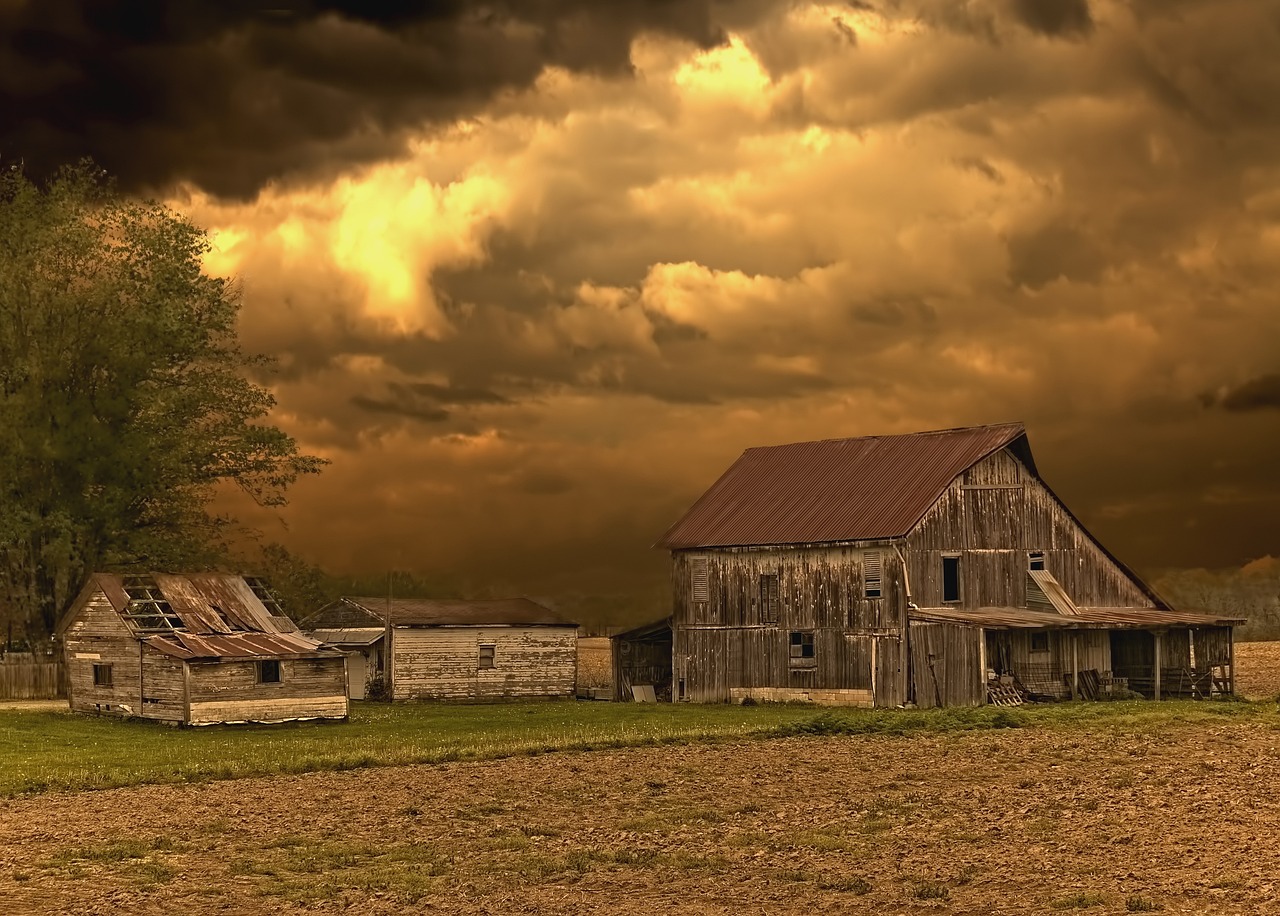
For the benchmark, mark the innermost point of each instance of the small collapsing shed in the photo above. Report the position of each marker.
(195, 650)
(642, 658)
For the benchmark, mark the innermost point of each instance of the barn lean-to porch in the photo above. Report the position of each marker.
(971, 657)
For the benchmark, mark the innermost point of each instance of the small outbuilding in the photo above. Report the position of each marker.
(454, 649)
(195, 649)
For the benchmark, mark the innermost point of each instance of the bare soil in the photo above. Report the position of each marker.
(1258, 670)
(1004, 822)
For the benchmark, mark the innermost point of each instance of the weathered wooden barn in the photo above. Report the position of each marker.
(456, 649)
(933, 568)
(195, 650)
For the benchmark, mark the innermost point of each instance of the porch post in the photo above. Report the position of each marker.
(1075, 665)
(982, 667)
(1159, 639)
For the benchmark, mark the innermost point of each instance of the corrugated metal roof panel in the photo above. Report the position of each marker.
(833, 490)
(1053, 591)
(206, 602)
(443, 612)
(236, 645)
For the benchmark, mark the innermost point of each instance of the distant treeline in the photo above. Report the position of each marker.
(1251, 592)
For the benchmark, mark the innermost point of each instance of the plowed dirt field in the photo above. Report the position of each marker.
(1183, 818)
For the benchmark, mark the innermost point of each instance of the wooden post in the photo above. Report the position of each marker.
(1075, 665)
(982, 667)
(1231, 661)
(1158, 656)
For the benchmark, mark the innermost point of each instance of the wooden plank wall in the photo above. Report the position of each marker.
(728, 642)
(946, 666)
(163, 687)
(228, 691)
(97, 635)
(32, 681)
(442, 663)
(992, 516)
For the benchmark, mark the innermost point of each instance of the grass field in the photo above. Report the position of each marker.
(44, 750)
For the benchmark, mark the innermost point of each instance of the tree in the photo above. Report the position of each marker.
(125, 400)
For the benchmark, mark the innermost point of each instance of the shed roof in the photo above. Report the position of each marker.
(866, 488)
(1086, 618)
(348, 636)
(213, 615)
(236, 645)
(457, 612)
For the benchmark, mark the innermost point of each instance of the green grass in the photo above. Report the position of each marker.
(55, 751)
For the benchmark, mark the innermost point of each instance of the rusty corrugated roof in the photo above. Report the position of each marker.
(185, 645)
(348, 636)
(834, 489)
(207, 603)
(1088, 618)
(462, 612)
(1053, 591)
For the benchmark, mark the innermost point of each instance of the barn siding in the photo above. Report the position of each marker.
(991, 516)
(946, 665)
(228, 691)
(442, 663)
(726, 647)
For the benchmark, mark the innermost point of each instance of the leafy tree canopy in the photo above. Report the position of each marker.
(125, 399)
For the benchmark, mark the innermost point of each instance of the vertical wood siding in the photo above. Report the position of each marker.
(992, 515)
(442, 663)
(946, 666)
(729, 642)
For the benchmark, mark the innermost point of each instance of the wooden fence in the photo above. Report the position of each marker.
(32, 681)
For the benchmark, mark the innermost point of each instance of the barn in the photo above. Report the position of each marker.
(195, 649)
(455, 649)
(935, 568)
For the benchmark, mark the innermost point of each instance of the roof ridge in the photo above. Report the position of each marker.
(1012, 424)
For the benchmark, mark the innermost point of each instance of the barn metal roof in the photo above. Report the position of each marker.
(1087, 618)
(461, 612)
(867, 488)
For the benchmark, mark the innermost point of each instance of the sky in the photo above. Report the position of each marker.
(536, 273)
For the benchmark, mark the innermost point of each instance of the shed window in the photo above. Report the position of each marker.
(951, 578)
(101, 675)
(769, 598)
(269, 672)
(1040, 642)
(801, 645)
(871, 574)
(486, 656)
(699, 583)
(1035, 559)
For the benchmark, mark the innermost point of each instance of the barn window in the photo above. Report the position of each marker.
(801, 645)
(1035, 559)
(769, 598)
(101, 675)
(486, 656)
(1040, 642)
(269, 671)
(699, 579)
(951, 578)
(871, 574)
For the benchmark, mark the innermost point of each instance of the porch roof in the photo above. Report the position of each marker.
(1088, 618)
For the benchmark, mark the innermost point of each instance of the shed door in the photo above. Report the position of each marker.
(357, 674)
(889, 682)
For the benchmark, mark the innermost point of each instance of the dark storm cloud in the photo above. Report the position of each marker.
(1258, 393)
(1056, 18)
(1054, 251)
(229, 96)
